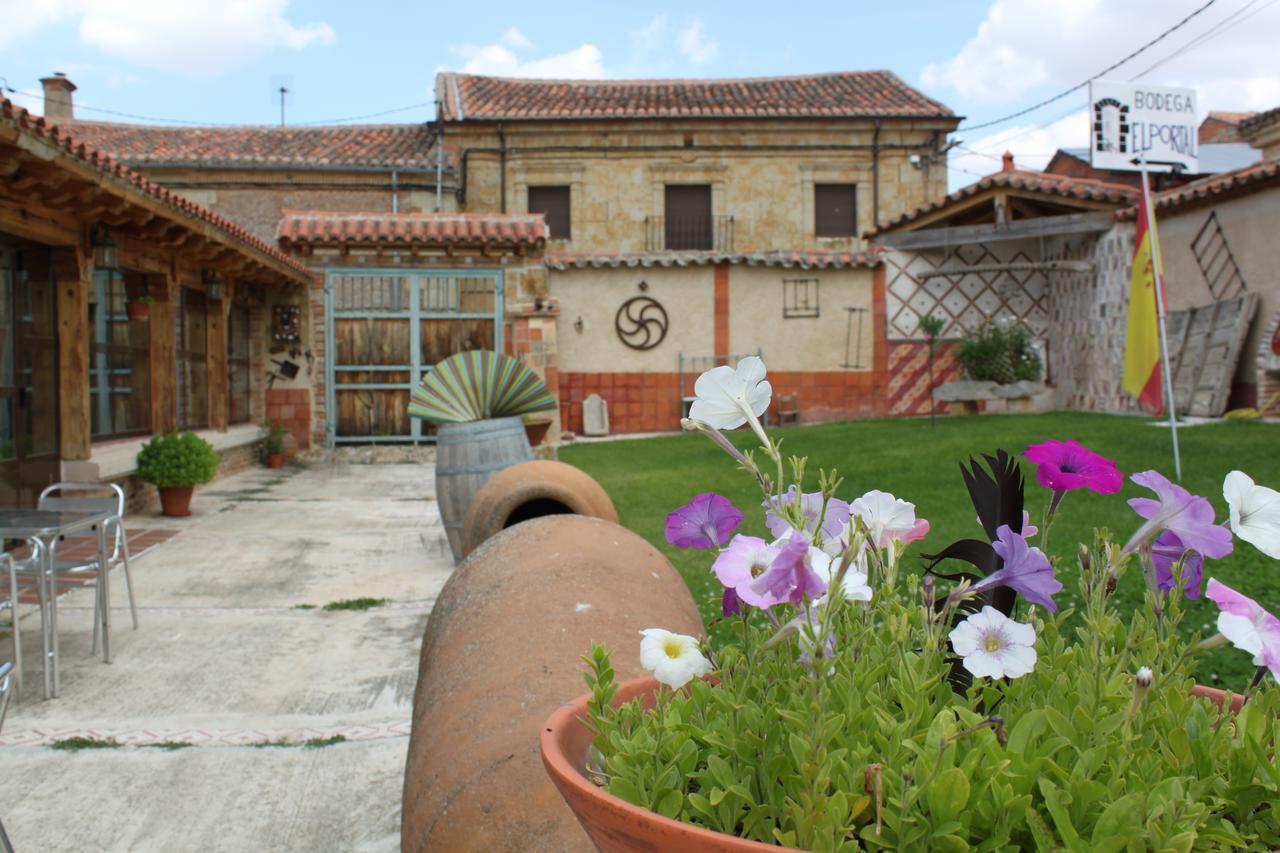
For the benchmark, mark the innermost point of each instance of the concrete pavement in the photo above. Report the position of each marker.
(234, 675)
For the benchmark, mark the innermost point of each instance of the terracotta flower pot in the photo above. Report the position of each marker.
(537, 432)
(137, 310)
(613, 824)
(176, 500)
(616, 826)
(275, 460)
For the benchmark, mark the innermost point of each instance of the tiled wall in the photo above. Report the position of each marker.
(292, 408)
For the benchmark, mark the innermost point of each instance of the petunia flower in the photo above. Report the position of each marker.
(994, 646)
(674, 659)
(1247, 625)
(789, 577)
(1065, 466)
(811, 507)
(1187, 515)
(854, 586)
(1254, 512)
(727, 397)
(1028, 529)
(730, 604)
(1025, 570)
(704, 522)
(746, 558)
(1166, 551)
(888, 518)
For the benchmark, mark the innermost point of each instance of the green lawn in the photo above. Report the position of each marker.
(648, 478)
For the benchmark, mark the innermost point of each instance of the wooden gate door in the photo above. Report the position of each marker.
(386, 330)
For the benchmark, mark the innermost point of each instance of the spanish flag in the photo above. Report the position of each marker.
(1142, 376)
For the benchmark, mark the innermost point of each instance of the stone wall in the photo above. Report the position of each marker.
(761, 173)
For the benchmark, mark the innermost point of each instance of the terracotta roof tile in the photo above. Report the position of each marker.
(124, 180)
(403, 146)
(1257, 121)
(846, 94)
(1057, 186)
(804, 259)
(310, 227)
(1214, 188)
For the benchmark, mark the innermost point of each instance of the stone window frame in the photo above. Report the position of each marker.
(550, 173)
(713, 174)
(812, 174)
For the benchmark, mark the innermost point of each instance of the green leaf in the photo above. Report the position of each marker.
(1119, 822)
(947, 795)
(669, 803)
(1057, 810)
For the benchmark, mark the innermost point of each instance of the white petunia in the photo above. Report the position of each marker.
(854, 586)
(727, 396)
(674, 659)
(1255, 512)
(994, 646)
(886, 517)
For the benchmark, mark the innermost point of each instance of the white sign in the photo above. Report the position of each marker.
(1129, 120)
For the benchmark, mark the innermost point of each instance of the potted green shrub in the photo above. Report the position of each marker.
(999, 351)
(853, 700)
(140, 308)
(176, 463)
(273, 433)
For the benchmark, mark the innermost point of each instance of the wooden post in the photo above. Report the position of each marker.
(73, 276)
(164, 379)
(216, 344)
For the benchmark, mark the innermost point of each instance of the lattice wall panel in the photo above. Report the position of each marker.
(966, 300)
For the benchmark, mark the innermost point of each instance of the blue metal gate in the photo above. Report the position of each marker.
(385, 329)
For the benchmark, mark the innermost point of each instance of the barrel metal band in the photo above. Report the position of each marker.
(477, 469)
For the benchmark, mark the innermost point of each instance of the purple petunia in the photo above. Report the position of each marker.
(1189, 516)
(788, 578)
(1065, 466)
(704, 522)
(1166, 551)
(811, 505)
(1026, 570)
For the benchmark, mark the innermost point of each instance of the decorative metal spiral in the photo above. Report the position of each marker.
(641, 322)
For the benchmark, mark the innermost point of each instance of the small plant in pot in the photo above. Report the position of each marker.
(1000, 350)
(273, 433)
(861, 699)
(139, 308)
(176, 463)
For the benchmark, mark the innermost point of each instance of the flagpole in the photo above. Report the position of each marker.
(1164, 340)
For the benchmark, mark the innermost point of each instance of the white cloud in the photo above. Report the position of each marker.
(695, 46)
(1025, 47)
(503, 59)
(194, 37)
(515, 39)
(649, 39)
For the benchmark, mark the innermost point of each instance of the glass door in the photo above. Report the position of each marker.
(29, 458)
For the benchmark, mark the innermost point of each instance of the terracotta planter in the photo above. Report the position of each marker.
(537, 432)
(275, 460)
(176, 500)
(616, 826)
(613, 824)
(531, 490)
(137, 310)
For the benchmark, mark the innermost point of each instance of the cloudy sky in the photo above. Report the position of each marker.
(222, 61)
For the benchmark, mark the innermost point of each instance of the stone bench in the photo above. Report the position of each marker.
(963, 397)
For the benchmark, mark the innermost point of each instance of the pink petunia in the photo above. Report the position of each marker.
(790, 577)
(1065, 466)
(704, 522)
(1189, 516)
(1247, 625)
(746, 558)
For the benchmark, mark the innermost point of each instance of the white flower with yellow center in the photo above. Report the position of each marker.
(1255, 512)
(674, 659)
(994, 646)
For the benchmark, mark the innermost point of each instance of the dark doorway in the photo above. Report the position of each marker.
(29, 458)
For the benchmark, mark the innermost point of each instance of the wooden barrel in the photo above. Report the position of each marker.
(501, 651)
(466, 456)
(530, 490)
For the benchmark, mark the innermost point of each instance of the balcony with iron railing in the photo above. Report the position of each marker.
(695, 233)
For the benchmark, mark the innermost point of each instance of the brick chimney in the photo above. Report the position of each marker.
(58, 103)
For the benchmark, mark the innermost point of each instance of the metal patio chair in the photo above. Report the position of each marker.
(89, 497)
(6, 679)
(11, 604)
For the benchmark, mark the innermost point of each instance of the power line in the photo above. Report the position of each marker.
(1106, 70)
(1226, 24)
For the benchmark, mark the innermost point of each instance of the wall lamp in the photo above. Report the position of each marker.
(577, 325)
(106, 254)
(212, 285)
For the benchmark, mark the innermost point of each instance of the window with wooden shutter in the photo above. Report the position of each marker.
(688, 219)
(552, 202)
(835, 210)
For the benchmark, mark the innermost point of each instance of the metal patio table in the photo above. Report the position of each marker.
(47, 525)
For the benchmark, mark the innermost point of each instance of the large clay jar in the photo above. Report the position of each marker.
(531, 490)
(502, 650)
